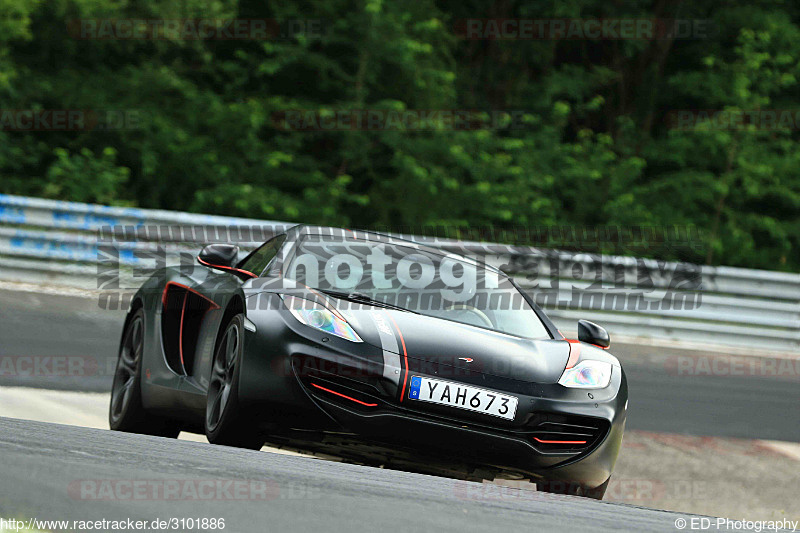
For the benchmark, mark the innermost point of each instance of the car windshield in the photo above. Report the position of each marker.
(445, 286)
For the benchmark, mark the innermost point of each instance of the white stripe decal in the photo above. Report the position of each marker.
(391, 358)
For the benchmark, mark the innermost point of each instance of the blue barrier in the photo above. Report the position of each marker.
(59, 242)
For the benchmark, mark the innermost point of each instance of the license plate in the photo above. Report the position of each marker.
(463, 396)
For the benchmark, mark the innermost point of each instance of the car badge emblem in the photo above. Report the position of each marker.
(466, 359)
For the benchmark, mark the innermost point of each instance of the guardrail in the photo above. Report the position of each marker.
(65, 243)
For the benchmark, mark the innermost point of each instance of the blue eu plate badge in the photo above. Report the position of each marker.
(413, 392)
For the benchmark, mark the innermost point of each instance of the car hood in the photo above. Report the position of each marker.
(442, 346)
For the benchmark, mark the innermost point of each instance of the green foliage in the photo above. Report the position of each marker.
(590, 143)
(84, 177)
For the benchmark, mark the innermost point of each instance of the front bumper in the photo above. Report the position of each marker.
(511, 449)
(305, 383)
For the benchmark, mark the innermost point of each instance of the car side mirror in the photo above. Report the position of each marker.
(593, 334)
(219, 256)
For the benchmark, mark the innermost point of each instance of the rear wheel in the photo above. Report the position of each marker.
(126, 412)
(225, 423)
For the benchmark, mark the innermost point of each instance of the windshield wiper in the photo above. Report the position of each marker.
(360, 297)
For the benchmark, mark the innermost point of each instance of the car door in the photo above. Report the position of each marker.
(220, 287)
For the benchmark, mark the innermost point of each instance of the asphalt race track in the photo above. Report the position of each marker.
(661, 399)
(56, 472)
(47, 469)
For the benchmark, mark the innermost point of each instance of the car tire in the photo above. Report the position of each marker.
(126, 412)
(573, 489)
(225, 423)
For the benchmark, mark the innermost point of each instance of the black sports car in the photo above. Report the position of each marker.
(374, 349)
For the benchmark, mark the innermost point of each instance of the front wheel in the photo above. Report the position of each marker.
(225, 423)
(126, 412)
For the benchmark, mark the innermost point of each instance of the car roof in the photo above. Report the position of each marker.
(301, 230)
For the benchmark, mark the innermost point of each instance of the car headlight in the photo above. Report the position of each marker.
(587, 374)
(318, 316)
